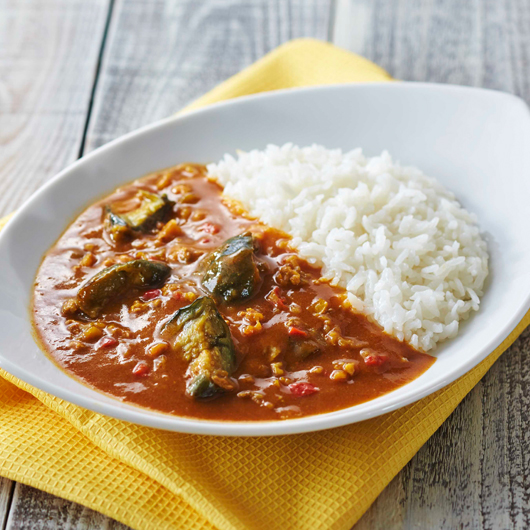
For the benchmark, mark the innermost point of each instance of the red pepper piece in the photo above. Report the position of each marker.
(276, 299)
(108, 342)
(149, 295)
(177, 295)
(303, 389)
(210, 228)
(141, 369)
(375, 360)
(297, 332)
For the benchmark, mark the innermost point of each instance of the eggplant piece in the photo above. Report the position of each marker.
(200, 334)
(232, 271)
(111, 283)
(153, 208)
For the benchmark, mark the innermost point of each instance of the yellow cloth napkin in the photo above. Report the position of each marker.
(153, 479)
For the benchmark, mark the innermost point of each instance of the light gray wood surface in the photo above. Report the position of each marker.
(6, 490)
(36, 510)
(162, 54)
(48, 56)
(159, 55)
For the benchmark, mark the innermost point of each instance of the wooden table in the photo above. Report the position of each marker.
(75, 74)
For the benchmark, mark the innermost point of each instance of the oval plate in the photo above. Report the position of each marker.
(476, 142)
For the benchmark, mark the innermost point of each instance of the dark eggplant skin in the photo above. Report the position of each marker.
(231, 273)
(199, 333)
(111, 283)
(153, 208)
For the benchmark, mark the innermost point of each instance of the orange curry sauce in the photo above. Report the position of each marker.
(121, 353)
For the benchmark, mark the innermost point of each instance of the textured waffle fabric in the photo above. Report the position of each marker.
(152, 479)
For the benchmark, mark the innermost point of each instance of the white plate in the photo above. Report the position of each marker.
(476, 142)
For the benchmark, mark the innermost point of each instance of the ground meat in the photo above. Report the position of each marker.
(290, 273)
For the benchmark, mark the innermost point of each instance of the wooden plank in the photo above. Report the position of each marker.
(6, 491)
(48, 54)
(163, 54)
(473, 473)
(36, 510)
(159, 56)
(481, 43)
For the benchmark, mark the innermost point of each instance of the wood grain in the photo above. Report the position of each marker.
(162, 55)
(480, 43)
(6, 489)
(473, 473)
(36, 510)
(48, 54)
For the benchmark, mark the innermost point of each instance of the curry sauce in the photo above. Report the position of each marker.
(166, 296)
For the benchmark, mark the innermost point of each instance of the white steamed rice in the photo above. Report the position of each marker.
(407, 252)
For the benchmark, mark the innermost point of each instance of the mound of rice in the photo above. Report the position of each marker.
(410, 256)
